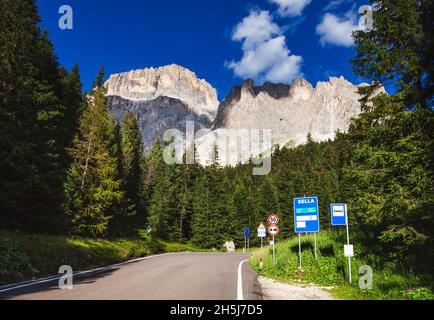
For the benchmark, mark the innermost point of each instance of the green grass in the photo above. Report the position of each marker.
(331, 270)
(27, 257)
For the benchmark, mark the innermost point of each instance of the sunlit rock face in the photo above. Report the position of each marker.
(291, 111)
(162, 98)
(165, 98)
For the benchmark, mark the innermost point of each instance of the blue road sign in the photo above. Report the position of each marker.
(339, 214)
(247, 232)
(306, 215)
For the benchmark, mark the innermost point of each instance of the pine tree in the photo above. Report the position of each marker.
(132, 151)
(187, 178)
(203, 224)
(390, 178)
(73, 102)
(99, 81)
(164, 204)
(91, 188)
(399, 49)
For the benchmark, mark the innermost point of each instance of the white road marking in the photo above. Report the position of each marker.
(240, 281)
(50, 279)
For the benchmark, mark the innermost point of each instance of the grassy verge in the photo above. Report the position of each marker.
(331, 270)
(27, 257)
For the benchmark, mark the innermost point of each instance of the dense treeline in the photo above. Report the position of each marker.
(40, 103)
(66, 167)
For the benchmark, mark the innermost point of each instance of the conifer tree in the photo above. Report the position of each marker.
(398, 50)
(390, 178)
(92, 189)
(73, 102)
(132, 151)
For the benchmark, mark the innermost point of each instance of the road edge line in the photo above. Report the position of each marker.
(240, 295)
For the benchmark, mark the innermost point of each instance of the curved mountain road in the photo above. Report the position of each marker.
(179, 276)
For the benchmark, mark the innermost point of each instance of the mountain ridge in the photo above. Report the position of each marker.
(165, 97)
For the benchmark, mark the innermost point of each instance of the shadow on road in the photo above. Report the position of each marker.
(53, 285)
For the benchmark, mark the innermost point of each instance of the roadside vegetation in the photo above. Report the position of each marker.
(391, 281)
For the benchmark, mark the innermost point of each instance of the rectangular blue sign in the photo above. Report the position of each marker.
(339, 214)
(306, 215)
(247, 232)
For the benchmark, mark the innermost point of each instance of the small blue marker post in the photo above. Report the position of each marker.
(339, 215)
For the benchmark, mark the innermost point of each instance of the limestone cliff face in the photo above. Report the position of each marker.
(171, 81)
(291, 111)
(162, 98)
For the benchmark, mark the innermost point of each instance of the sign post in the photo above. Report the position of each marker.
(316, 256)
(299, 250)
(273, 230)
(339, 215)
(274, 250)
(349, 253)
(306, 218)
(246, 239)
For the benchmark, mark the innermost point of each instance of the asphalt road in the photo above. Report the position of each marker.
(183, 276)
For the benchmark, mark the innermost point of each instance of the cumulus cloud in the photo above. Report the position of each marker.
(266, 56)
(291, 8)
(335, 30)
(256, 28)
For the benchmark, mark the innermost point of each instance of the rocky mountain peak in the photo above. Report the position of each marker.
(171, 81)
(162, 98)
(291, 111)
(299, 88)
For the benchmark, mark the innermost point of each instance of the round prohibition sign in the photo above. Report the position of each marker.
(273, 219)
(273, 230)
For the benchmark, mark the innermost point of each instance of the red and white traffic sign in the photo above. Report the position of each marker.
(273, 219)
(273, 230)
(262, 231)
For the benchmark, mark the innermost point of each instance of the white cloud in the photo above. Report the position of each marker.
(291, 8)
(256, 28)
(336, 30)
(265, 54)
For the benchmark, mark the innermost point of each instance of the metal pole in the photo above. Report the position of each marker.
(316, 257)
(274, 251)
(262, 242)
(299, 248)
(348, 243)
(248, 244)
(245, 245)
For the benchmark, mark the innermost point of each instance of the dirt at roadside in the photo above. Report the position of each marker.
(274, 290)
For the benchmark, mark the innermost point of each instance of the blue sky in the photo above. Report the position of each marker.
(222, 41)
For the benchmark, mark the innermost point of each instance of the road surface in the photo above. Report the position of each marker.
(181, 276)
